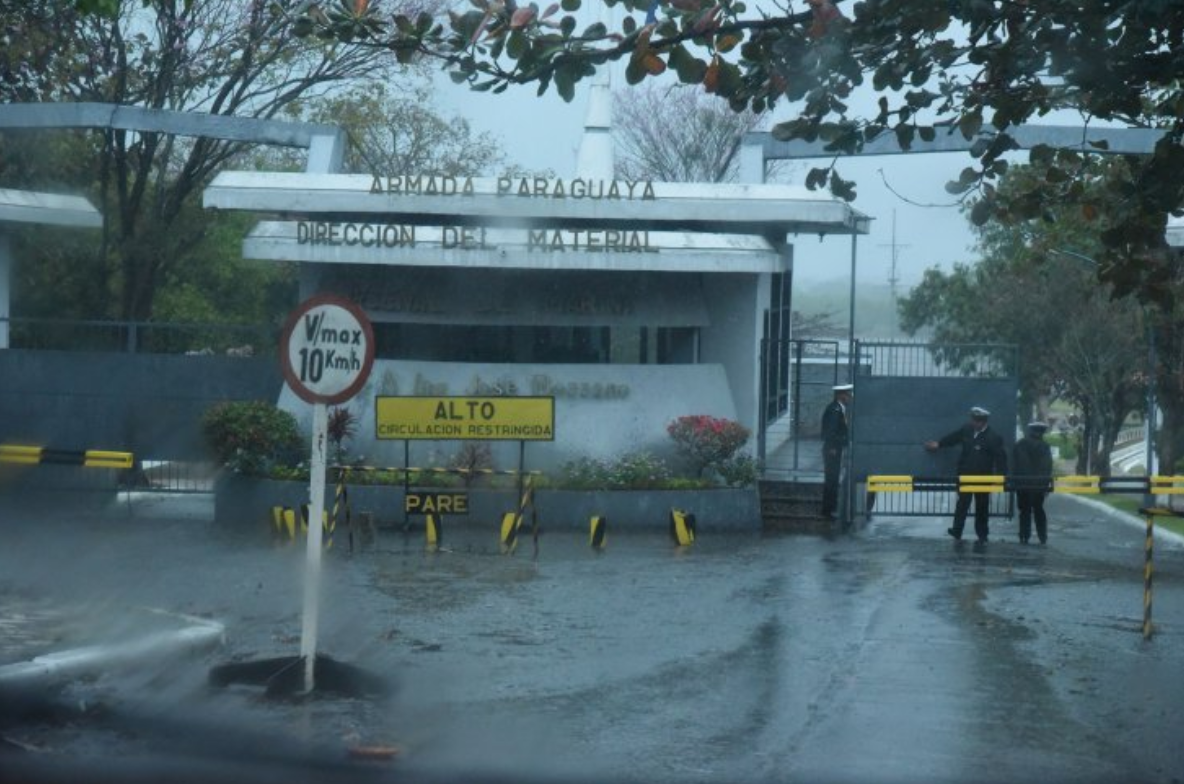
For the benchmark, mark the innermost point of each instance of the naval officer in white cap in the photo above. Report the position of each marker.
(835, 436)
(983, 453)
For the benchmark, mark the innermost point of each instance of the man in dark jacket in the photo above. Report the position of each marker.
(835, 435)
(983, 453)
(1032, 472)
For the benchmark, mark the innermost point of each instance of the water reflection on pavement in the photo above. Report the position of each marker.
(887, 655)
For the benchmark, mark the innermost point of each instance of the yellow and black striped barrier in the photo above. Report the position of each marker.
(435, 470)
(86, 458)
(682, 527)
(994, 483)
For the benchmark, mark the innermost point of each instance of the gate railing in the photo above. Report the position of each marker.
(147, 337)
(796, 374)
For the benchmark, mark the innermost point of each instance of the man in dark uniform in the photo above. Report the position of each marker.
(983, 453)
(1032, 472)
(835, 435)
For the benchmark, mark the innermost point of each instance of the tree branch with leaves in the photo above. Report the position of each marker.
(973, 68)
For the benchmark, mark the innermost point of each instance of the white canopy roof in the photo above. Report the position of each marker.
(725, 208)
(47, 208)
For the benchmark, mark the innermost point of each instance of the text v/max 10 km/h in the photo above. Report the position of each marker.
(327, 349)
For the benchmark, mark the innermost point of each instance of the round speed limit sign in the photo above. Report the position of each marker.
(327, 349)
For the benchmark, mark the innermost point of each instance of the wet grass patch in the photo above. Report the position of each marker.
(1131, 505)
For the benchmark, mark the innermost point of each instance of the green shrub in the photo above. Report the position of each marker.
(687, 483)
(637, 471)
(631, 471)
(739, 471)
(1065, 443)
(250, 437)
(584, 473)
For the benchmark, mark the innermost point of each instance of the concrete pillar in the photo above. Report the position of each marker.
(5, 287)
(595, 159)
(736, 309)
(752, 162)
(325, 153)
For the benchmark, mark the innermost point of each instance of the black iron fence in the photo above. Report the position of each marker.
(898, 359)
(797, 377)
(146, 337)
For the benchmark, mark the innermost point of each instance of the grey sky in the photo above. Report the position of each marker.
(543, 132)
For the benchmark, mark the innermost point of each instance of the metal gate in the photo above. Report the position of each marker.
(797, 377)
(908, 393)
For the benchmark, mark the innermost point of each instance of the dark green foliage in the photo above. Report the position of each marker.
(251, 436)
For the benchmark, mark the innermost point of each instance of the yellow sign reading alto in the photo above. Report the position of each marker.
(465, 418)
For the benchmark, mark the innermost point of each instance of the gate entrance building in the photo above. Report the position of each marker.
(632, 303)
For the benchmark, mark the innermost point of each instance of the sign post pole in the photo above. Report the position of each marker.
(312, 567)
(326, 354)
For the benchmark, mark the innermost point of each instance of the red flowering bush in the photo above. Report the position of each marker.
(705, 441)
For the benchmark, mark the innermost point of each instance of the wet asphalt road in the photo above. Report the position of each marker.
(888, 655)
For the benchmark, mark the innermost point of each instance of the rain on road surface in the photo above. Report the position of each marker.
(891, 654)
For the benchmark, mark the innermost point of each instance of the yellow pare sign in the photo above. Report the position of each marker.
(465, 418)
(436, 503)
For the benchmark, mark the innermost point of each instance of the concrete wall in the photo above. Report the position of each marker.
(245, 504)
(151, 404)
(590, 418)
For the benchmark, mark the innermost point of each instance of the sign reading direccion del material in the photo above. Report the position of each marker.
(465, 418)
(327, 349)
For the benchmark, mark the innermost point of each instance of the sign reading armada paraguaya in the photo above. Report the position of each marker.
(445, 418)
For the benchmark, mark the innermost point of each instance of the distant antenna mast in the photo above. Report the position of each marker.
(894, 269)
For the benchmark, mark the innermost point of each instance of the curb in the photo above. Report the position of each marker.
(63, 666)
(1135, 521)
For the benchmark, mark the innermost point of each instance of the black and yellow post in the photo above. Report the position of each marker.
(682, 527)
(598, 532)
(341, 507)
(328, 526)
(511, 522)
(1148, 572)
(432, 533)
(1157, 485)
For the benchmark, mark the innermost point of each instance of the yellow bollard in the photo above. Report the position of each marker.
(598, 532)
(511, 522)
(682, 527)
(432, 533)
